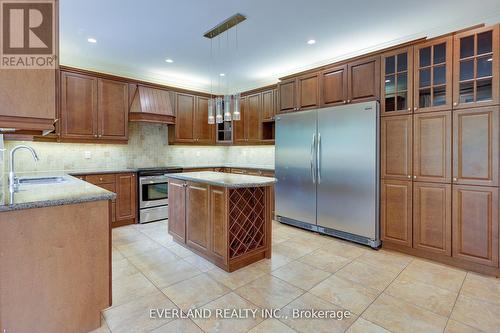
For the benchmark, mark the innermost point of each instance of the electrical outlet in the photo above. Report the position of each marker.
(198, 154)
(87, 154)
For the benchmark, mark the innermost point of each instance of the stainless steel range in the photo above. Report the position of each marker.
(153, 193)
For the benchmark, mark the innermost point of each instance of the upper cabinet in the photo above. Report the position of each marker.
(397, 82)
(357, 81)
(248, 129)
(299, 93)
(28, 99)
(475, 68)
(191, 122)
(433, 75)
(93, 108)
(268, 105)
(363, 80)
(333, 86)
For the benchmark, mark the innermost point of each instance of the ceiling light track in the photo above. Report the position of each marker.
(224, 26)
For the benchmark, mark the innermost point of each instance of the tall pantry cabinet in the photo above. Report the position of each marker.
(439, 148)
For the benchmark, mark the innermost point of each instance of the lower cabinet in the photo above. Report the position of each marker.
(177, 209)
(475, 224)
(432, 217)
(124, 207)
(396, 212)
(126, 197)
(197, 215)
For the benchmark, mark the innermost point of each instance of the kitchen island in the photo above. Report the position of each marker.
(55, 254)
(225, 218)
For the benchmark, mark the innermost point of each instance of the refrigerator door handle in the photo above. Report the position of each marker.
(318, 158)
(312, 158)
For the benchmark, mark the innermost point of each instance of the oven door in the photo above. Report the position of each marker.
(153, 191)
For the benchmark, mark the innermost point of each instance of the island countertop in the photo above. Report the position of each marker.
(70, 190)
(228, 180)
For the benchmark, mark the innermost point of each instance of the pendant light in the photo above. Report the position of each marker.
(226, 108)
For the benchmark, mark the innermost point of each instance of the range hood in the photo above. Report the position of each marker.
(151, 105)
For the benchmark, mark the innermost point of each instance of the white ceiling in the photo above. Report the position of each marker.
(135, 37)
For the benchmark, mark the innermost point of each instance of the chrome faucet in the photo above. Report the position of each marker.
(13, 181)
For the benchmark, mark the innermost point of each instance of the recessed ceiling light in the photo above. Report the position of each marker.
(169, 60)
(222, 74)
(91, 40)
(311, 41)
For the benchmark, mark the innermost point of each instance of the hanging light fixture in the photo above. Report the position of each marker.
(236, 107)
(228, 107)
(218, 110)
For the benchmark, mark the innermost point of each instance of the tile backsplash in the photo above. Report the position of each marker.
(147, 147)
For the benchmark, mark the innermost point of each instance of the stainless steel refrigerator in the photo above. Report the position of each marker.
(327, 166)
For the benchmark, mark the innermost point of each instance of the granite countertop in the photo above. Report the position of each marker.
(69, 191)
(224, 179)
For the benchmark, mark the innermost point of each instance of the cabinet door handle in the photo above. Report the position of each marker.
(95, 135)
(409, 176)
(345, 102)
(414, 177)
(415, 108)
(455, 179)
(100, 135)
(455, 103)
(409, 109)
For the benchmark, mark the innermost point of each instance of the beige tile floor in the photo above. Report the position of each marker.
(385, 291)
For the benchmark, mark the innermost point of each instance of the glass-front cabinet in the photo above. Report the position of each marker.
(433, 75)
(397, 82)
(476, 71)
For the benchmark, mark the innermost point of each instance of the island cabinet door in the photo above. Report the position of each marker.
(218, 222)
(197, 217)
(177, 209)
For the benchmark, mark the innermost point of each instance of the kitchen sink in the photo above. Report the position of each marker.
(42, 180)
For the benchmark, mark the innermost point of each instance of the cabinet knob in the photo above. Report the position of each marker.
(345, 102)
(100, 135)
(455, 103)
(414, 177)
(409, 177)
(455, 179)
(415, 108)
(100, 179)
(409, 109)
(348, 101)
(95, 135)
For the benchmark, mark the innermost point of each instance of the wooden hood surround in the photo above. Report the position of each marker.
(151, 105)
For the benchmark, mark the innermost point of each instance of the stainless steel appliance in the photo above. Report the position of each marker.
(153, 193)
(327, 166)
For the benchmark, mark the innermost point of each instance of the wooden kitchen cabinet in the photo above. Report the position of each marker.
(177, 209)
(432, 147)
(78, 106)
(396, 147)
(28, 99)
(476, 68)
(184, 117)
(475, 224)
(253, 118)
(475, 146)
(396, 212)
(433, 75)
(124, 206)
(364, 78)
(333, 86)
(112, 106)
(432, 217)
(268, 105)
(219, 228)
(397, 82)
(197, 216)
(299, 93)
(287, 96)
(249, 128)
(126, 197)
(93, 109)
(204, 133)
